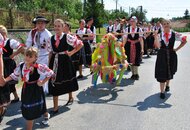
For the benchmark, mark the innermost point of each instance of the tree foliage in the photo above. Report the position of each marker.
(186, 14)
(139, 13)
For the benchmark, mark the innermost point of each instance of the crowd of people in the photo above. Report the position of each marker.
(51, 62)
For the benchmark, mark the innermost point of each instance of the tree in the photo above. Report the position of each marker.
(140, 14)
(95, 8)
(186, 14)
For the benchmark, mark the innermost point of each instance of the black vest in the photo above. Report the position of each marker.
(171, 42)
(136, 37)
(63, 46)
(8, 48)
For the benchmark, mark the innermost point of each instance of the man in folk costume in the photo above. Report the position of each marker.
(134, 46)
(39, 37)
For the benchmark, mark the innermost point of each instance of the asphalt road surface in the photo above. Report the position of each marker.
(130, 106)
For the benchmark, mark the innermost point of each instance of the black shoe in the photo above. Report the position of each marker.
(80, 77)
(167, 89)
(15, 100)
(162, 95)
(3, 114)
(137, 77)
(91, 72)
(133, 77)
(128, 69)
(69, 102)
(52, 112)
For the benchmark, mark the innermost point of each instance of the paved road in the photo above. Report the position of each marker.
(131, 106)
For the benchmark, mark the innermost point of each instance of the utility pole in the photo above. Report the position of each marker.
(129, 11)
(116, 4)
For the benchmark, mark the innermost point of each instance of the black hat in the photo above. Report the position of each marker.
(89, 19)
(40, 18)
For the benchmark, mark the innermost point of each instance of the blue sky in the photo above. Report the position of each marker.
(155, 8)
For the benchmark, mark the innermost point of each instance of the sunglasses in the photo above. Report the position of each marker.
(166, 23)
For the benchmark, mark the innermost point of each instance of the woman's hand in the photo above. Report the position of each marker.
(2, 81)
(69, 53)
(40, 83)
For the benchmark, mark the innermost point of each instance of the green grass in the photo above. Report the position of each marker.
(182, 29)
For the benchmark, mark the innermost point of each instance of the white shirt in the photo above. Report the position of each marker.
(44, 40)
(116, 27)
(130, 31)
(109, 28)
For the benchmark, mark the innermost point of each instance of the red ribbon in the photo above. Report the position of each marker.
(166, 35)
(57, 41)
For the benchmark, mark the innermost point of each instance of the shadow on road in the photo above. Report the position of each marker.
(13, 109)
(102, 93)
(153, 101)
(125, 82)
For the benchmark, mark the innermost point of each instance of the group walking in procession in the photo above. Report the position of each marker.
(53, 63)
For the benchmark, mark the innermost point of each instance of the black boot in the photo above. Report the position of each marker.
(162, 95)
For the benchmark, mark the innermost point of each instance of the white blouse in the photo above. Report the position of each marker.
(14, 44)
(71, 40)
(178, 37)
(126, 31)
(43, 70)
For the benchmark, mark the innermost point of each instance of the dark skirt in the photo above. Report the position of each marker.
(9, 66)
(137, 51)
(33, 101)
(65, 78)
(88, 53)
(150, 42)
(4, 95)
(166, 65)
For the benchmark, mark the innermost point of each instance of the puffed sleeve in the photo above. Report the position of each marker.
(14, 44)
(140, 32)
(73, 40)
(29, 40)
(44, 70)
(1, 43)
(179, 37)
(17, 71)
(125, 35)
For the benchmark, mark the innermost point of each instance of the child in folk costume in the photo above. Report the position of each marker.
(32, 97)
(65, 79)
(39, 37)
(85, 52)
(134, 46)
(4, 89)
(166, 62)
(9, 45)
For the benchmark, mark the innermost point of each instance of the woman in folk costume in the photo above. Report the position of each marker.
(65, 78)
(149, 39)
(39, 37)
(74, 58)
(166, 62)
(85, 52)
(134, 47)
(4, 88)
(9, 45)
